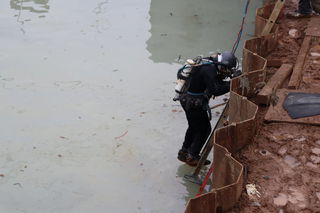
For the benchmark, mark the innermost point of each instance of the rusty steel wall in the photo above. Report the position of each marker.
(228, 174)
(262, 15)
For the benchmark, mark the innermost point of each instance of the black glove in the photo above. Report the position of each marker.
(236, 74)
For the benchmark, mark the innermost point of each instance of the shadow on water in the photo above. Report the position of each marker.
(192, 188)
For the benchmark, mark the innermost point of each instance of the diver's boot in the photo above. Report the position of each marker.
(182, 155)
(193, 161)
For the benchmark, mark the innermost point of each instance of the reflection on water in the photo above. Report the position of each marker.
(187, 28)
(35, 6)
(192, 188)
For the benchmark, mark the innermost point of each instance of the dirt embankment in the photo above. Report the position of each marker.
(284, 159)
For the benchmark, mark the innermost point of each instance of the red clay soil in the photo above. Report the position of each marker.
(283, 160)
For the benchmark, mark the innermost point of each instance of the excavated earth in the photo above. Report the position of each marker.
(283, 161)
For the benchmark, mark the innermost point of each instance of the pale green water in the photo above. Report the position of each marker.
(87, 118)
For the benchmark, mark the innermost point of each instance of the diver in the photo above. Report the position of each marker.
(200, 79)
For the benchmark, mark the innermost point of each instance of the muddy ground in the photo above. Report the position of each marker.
(283, 160)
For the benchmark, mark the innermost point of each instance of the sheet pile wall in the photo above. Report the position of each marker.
(228, 174)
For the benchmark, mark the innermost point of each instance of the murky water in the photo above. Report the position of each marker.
(87, 118)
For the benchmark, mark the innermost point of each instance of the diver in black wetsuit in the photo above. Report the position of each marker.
(206, 80)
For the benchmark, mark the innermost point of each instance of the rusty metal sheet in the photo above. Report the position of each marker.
(244, 133)
(265, 11)
(225, 137)
(262, 45)
(234, 105)
(252, 62)
(227, 178)
(313, 27)
(248, 84)
(242, 118)
(240, 109)
(220, 177)
(202, 204)
(278, 114)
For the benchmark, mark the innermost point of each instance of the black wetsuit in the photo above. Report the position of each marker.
(304, 7)
(204, 83)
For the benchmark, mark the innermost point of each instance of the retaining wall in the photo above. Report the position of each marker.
(228, 173)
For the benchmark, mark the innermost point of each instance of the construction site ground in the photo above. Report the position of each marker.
(283, 159)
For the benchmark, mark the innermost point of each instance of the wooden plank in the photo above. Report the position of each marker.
(273, 18)
(274, 83)
(262, 15)
(298, 68)
(278, 114)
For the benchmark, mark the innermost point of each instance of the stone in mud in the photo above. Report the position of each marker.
(303, 159)
(315, 54)
(311, 165)
(316, 61)
(281, 200)
(315, 159)
(297, 197)
(294, 33)
(315, 151)
(291, 161)
(282, 150)
(301, 139)
(318, 195)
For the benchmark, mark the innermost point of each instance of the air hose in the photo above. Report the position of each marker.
(236, 43)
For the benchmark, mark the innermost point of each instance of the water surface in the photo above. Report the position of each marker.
(87, 118)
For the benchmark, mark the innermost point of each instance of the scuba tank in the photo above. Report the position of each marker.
(183, 76)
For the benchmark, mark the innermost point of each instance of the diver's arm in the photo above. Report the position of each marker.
(214, 85)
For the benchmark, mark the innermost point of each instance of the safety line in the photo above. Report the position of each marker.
(236, 43)
(204, 182)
